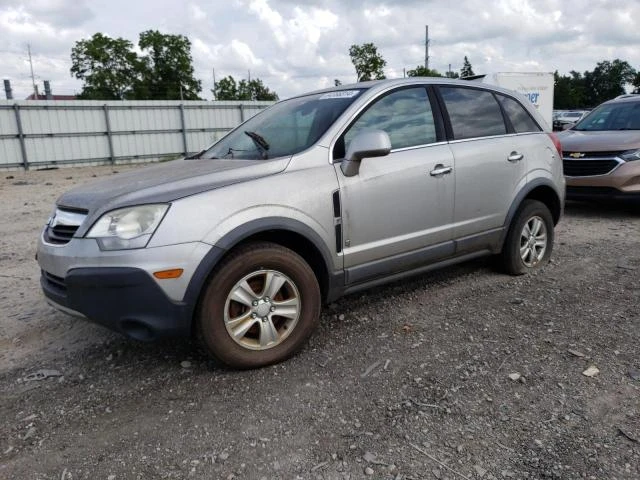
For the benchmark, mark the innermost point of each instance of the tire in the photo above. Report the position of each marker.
(259, 308)
(529, 242)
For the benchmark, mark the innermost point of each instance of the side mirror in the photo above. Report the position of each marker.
(366, 144)
(567, 126)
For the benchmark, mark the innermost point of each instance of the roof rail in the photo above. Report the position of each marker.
(627, 95)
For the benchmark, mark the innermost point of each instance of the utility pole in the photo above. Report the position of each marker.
(33, 77)
(426, 47)
(213, 70)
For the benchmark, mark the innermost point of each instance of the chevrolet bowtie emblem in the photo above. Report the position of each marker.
(576, 155)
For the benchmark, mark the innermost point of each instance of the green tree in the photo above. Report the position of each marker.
(422, 71)
(607, 81)
(466, 70)
(228, 89)
(636, 83)
(166, 68)
(368, 63)
(451, 74)
(255, 90)
(569, 91)
(108, 67)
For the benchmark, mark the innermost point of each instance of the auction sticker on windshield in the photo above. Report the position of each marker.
(340, 94)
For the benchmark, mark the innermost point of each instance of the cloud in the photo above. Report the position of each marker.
(298, 46)
(58, 13)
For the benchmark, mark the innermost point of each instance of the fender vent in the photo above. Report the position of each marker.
(337, 220)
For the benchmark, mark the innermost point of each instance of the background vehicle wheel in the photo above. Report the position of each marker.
(529, 242)
(260, 306)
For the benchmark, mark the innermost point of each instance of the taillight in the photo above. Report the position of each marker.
(556, 143)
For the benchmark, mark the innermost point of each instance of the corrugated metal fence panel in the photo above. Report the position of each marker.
(66, 149)
(10, 153)
(147, 145)
(37, 120)
(137, 119)
(8, 124)
(197, 141)
(58, 132)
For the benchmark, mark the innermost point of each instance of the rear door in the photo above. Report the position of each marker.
(491, 166)
(395, 208)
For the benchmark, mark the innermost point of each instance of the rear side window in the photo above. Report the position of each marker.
(473, 113)
(518, 115)
(404, 114)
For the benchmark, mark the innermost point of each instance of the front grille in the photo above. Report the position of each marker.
(60, 234)
(54, 281)
(63, 225)
(588, 168)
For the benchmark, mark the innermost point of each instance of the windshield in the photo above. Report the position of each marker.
(284, 129)
(612, 116)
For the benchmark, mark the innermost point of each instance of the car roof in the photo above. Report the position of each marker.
(626, 98)
(384, 84)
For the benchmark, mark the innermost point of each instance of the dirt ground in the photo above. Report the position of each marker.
(459, 374)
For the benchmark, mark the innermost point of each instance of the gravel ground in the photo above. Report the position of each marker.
(464, 373)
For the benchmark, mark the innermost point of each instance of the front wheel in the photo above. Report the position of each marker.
(260, 306)
(529, 241)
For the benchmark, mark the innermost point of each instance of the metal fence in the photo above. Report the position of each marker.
(35, 134)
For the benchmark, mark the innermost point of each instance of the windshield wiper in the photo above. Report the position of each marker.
(260, 142)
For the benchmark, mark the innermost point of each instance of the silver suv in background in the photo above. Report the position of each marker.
(319, 196)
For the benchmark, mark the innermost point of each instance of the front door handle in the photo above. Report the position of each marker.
(515, 157)
(440, 170)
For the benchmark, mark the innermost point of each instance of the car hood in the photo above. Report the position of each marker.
(166, 182)
(599, 141)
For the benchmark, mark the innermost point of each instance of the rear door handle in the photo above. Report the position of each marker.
(440, 170)
(515, 157)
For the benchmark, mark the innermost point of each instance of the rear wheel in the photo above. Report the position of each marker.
(260, 306)
(529, 242)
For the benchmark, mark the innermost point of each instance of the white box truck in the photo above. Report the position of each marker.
(536, 86)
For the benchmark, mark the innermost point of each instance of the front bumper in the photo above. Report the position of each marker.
(123, 299)
(621, 183)
(601, 193)
(117, 289)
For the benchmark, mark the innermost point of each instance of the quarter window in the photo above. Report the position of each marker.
(518, 115)
(405, 115)
(472, 112)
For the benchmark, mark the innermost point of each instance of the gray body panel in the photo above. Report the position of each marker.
(394, 206)
(163, 183)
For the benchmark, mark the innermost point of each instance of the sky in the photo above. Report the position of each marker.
(299, 46)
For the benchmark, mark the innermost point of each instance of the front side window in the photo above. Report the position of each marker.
(404, 114)
(518, 115)
(472, 112)
(286, 128)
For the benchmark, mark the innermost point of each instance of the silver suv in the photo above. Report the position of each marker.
(319, 196)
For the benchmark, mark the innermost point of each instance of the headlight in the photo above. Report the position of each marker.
(630, 155)
(127, 228)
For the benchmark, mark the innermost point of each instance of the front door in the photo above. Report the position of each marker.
(398, 210)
